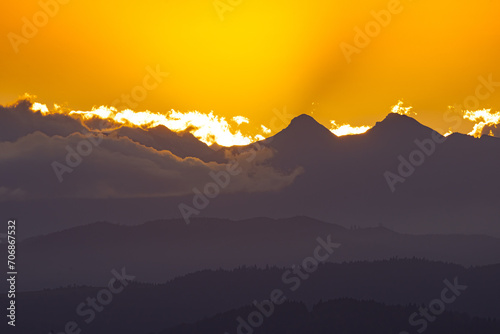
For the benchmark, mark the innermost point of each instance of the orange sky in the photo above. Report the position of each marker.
(263, 55)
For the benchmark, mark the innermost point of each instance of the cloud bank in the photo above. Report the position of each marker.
(39, 166)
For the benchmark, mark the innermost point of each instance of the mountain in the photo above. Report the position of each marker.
(300, 142)
(303, 131)
(365, 180)
(162, 250)
(398, 126)
(336, 316)
(399, 173)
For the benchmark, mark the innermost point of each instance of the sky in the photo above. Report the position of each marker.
(343, 61)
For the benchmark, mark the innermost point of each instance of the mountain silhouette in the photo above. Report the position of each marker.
(144, 308)
(337, 316)
(344, 180)
(450, 190)
(301, 131)
(219, 243)
(399, 126)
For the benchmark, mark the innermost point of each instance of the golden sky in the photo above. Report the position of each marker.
(255, 56)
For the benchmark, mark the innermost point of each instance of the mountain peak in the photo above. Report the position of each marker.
(304, 119)
(395, 125)
(401, 119)
(303, 131)
(306, 124)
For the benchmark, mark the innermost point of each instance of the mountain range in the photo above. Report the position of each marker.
(152, 247)
(364, 180)
(210, 301)
(358, 232)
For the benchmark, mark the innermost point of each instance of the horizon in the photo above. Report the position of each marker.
(212, 129)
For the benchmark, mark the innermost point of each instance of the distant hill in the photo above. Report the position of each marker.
(339, 316)
(144, 308)
(162, 250)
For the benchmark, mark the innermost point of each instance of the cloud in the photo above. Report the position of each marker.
(399, 109)
(259, 177)
(110, 167)
(19, 119)
(207, 128)
(265, 129)
(485, 121)
(240, 119)
(347, 129)
(25, 117)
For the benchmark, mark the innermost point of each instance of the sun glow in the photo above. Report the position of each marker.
(40, 107)
(208, 128)
(399, 109)
(450, 132)
(240, 120)
(483, 118)
(265, 129)
(214, 129)
(101, 112)
(347, 129)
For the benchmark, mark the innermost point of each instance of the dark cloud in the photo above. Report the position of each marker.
(55, 156)
(110, 167)
(18, 120)
(182, 144)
